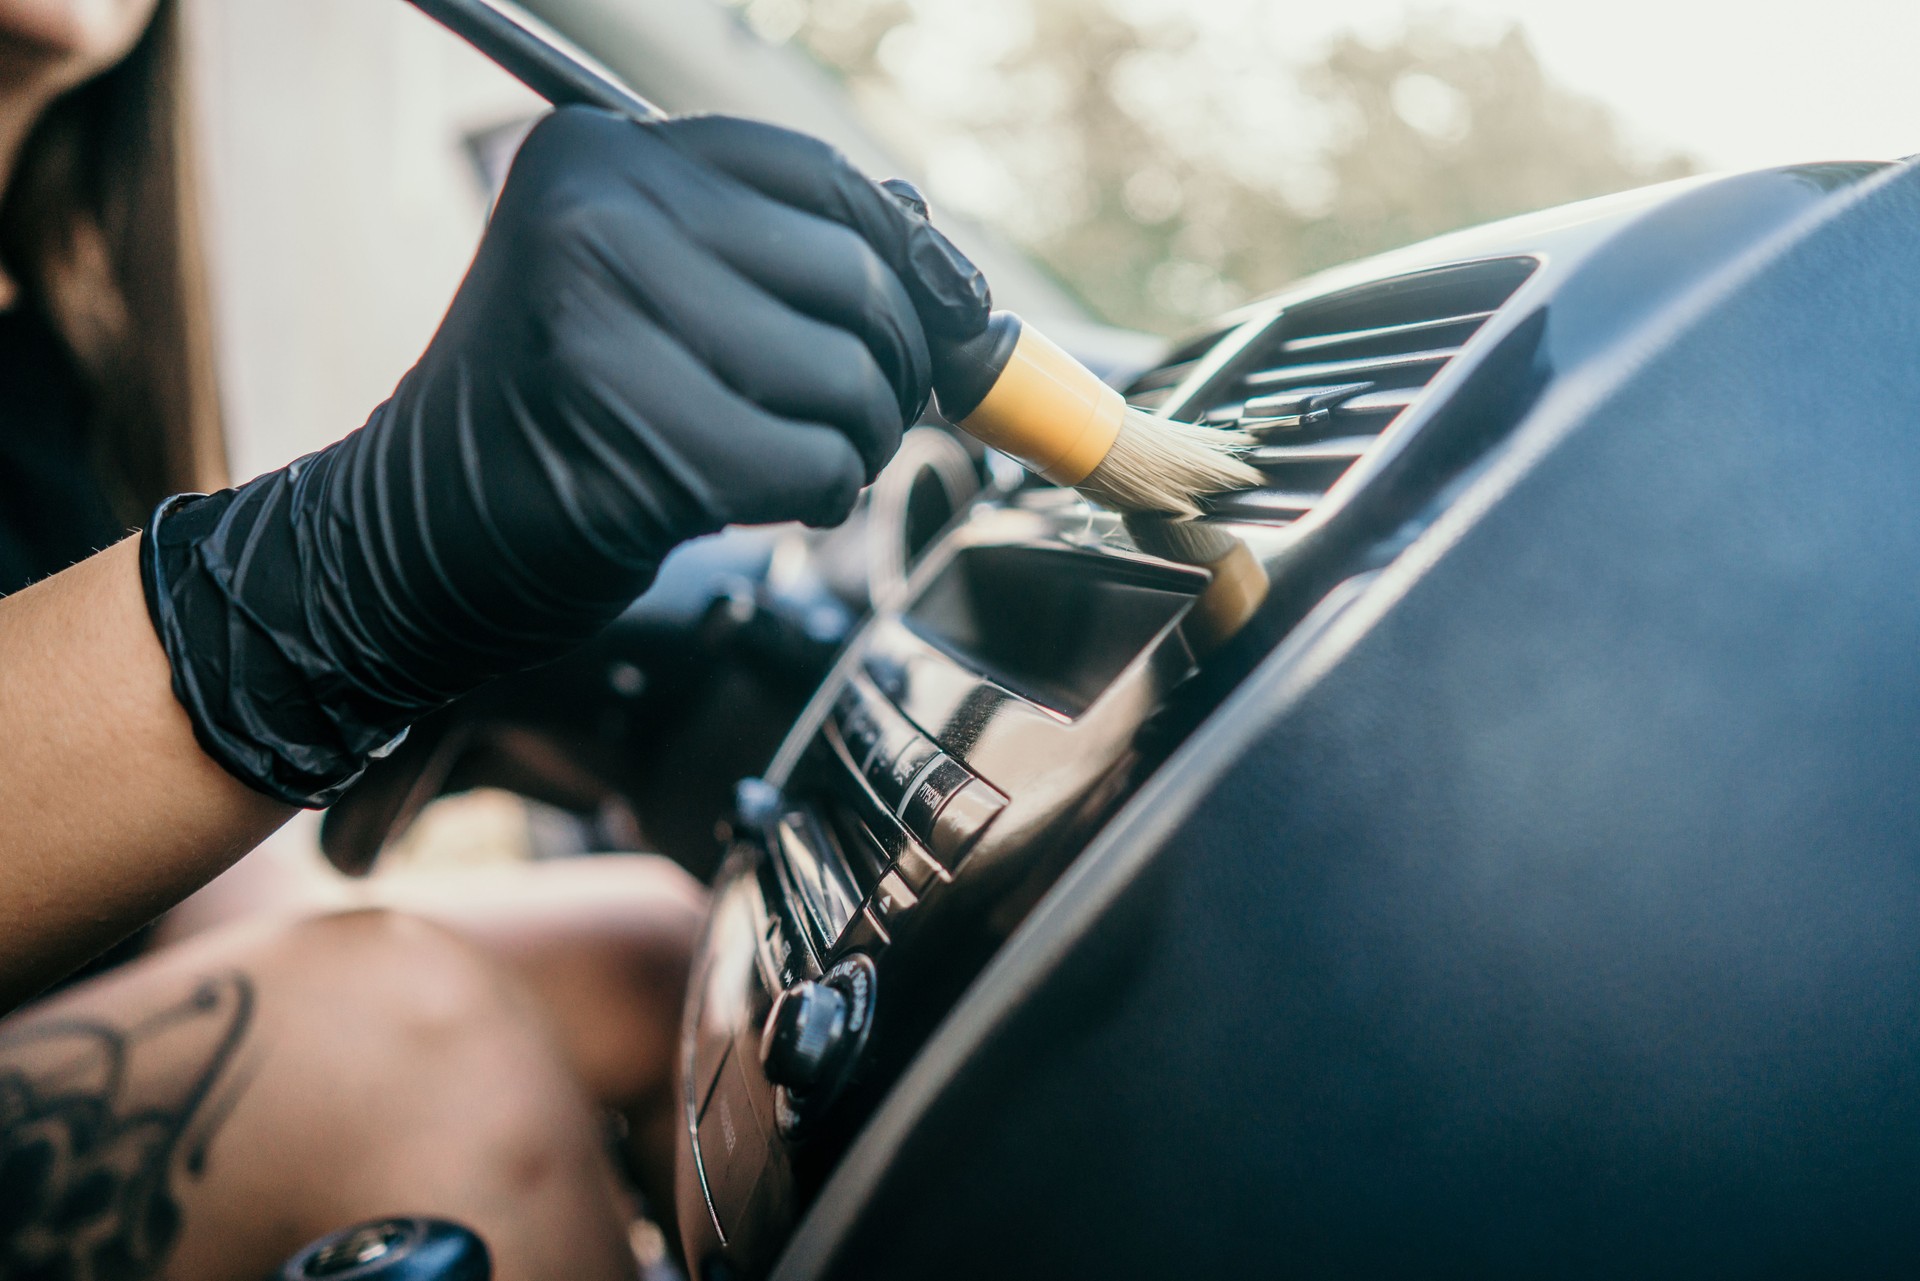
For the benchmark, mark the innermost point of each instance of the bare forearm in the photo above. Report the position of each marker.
(109, 811)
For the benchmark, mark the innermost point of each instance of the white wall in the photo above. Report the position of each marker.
(342, 207)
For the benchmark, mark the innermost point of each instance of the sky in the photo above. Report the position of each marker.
(1735, 83)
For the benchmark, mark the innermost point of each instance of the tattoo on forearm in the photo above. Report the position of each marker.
(96, 1123)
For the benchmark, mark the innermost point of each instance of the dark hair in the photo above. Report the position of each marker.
(100, 227)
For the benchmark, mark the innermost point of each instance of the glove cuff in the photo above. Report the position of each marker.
(253, 708)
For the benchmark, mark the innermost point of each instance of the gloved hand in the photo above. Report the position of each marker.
(667, 328)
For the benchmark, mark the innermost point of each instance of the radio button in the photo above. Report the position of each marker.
(863, 934)
(891, 898)
(917, 868)
(961, 821)
(938, 783)
(891, 777)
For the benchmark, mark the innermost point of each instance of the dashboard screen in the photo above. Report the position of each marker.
(1054, 626)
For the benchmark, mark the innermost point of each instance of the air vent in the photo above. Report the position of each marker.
(1321, 384)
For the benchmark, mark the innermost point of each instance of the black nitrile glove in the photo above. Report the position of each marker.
(668, 328)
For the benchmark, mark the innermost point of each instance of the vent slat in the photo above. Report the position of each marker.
(1295, 400)
(1263, 505)
(1372, 402)
(1355, 337)
(1338, 449)
(1352, 369)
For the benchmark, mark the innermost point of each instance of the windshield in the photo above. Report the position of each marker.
(1168, 159)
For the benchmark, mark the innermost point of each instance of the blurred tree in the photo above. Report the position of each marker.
(1436, 133)
(1168, 170)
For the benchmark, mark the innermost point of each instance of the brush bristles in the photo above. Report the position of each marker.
(1158, 465)
(1191, 542)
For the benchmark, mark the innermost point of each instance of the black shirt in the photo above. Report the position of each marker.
(53, 509)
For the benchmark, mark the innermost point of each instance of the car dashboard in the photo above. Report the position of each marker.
(933, 1028)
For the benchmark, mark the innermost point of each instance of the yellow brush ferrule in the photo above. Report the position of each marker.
(1049, 411)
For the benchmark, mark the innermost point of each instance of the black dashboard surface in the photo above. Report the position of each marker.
(1528, 888)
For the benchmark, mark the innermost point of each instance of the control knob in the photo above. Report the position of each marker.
(804, 1036)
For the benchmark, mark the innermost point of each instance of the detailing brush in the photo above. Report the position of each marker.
(1238, 584)
(1008, 387)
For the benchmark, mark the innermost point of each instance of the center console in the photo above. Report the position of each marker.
(960, 752)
